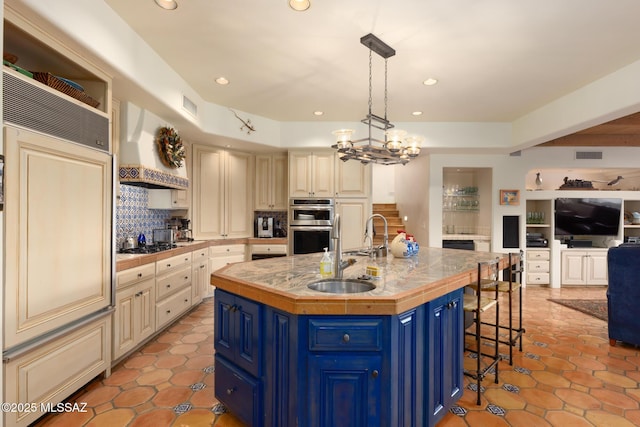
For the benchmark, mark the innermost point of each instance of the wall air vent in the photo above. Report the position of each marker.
(588, 155)
(189, 105)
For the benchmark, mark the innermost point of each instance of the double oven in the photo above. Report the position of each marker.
(310, 225)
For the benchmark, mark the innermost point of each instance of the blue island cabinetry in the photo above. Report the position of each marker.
(278, 369)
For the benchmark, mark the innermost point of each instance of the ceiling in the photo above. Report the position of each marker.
(495, 60)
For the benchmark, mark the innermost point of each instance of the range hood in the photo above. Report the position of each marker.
(139, 161)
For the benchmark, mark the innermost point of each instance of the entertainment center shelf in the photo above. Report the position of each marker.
(584, 265)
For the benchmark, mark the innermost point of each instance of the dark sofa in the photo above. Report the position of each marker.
(623, 294)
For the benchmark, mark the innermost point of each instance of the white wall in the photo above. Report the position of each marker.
(412, 197)
(383, 184)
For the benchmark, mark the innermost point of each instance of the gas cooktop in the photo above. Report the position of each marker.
(149, 249)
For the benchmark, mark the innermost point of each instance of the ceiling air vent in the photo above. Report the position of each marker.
(189, 105)
(588, 155)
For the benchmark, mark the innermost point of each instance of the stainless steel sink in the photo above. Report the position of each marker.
(341, 286)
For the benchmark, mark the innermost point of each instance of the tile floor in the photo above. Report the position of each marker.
(567, 376)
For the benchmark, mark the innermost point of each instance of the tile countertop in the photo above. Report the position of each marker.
(405, 283)
(127, 261)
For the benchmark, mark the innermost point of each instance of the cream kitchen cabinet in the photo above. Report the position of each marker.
(173, 288)
(537, 266)
(222, 193)
(353, 217)
(311, 173)
(55, 192)
(168, 199)
(584, 267)
(134, 318)
(52, 371)
(271, 182)
(353, 179)
(219, 256)
(199, 275)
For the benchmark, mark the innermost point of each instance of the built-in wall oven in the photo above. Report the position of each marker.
(310, 225)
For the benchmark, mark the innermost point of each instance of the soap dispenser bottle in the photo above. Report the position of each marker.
(326, 265)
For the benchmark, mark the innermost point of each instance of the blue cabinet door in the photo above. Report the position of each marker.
(281, 379)
(444, 353)
(344, 390)
(237, 331)
(241, 393)
(406, 407)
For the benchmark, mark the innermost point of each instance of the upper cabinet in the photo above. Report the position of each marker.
(353, 179)
(271, 182)
(311, 173)
(50, 63)
(168, 199)
(222, 193)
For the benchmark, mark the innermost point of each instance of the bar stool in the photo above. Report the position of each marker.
(486, 297)
(508, 285)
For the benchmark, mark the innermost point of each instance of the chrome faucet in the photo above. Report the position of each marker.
(383, 249)
(338, 263)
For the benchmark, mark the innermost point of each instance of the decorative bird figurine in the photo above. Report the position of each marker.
(615, 181)
(538, 181)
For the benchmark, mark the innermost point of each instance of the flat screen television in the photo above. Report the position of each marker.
(587, 216)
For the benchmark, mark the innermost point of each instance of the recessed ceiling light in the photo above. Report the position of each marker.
(318, 113)
(430, 81)
(299, 5)
(167, 4)
(417, 113)
(222, 81)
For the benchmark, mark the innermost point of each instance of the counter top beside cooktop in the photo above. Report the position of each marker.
(127, 261)
(405, 283)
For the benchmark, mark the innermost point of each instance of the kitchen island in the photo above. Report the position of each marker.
(287, 355)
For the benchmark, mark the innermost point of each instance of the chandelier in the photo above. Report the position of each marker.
(397, 147)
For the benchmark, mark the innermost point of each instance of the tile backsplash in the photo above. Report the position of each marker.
(133, 217)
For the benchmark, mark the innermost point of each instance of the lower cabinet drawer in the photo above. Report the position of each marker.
(52, 372)
(172, 282)
(538, 266)
(345, 335)
(537, 278)
(172, 307)
(239, 391)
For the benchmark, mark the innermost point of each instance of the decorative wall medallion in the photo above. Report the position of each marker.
(170, 147)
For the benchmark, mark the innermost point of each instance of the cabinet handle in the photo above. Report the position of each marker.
(346, 338)
(139, 274)
(230, 390)
(168, 286)
(186, 300)
(375, 373)
(168, 311)
(202, 266)
(168, 265)
(186, 277)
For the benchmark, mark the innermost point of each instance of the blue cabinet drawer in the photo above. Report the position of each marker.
(350, 334)
(238, 391)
